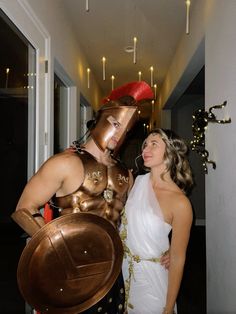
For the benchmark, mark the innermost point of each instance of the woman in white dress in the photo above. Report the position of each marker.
(156, 205)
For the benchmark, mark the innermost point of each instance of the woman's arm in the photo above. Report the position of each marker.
(181, 226)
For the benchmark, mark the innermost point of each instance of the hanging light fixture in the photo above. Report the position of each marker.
(139, 76)
(188, 2)
(151, 81)
(7, 75)
(88, 77)
(87, 5)
(153, 109)
(135, 51)
(155, 91)
(144, 128)
(103, 68)
(112, 81)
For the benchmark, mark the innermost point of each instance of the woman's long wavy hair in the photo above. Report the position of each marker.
(175, 158)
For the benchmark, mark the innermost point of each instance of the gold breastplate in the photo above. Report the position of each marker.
(103, 192)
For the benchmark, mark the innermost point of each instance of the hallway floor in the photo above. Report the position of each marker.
(11, 246)
(192, 296)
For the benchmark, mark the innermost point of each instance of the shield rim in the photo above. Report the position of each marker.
(22, 273)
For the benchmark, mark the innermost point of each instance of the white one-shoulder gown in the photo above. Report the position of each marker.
(147, 239)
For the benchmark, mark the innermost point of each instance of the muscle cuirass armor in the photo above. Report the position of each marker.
(103, 191)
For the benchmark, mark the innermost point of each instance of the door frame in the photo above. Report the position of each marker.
(22, 15)
(70, 104)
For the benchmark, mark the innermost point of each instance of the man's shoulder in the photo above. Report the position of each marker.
(65, 158)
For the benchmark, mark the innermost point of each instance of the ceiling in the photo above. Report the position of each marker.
(109, 26)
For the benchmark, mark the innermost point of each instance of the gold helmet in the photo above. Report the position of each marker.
(121, 107)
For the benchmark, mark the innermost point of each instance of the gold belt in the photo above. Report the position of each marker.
(132, 258)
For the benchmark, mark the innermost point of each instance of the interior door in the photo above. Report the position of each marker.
(17, 118)
(17, 148)
(23, 103)
(60, 115)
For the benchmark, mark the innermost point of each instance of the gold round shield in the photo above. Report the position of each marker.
(70, 264)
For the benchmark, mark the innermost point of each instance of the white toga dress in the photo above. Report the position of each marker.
(147, 239)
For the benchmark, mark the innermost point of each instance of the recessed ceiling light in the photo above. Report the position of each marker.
(129, 49)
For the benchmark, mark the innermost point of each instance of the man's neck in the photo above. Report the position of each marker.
(91, 147)
(102, 157)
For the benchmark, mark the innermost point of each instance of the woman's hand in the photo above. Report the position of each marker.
(165, 259)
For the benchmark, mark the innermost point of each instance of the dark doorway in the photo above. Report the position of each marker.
(17, 90)
(60, 115)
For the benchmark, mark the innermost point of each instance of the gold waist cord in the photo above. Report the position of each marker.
(132, 259)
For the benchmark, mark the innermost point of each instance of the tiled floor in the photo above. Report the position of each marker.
(192, 297)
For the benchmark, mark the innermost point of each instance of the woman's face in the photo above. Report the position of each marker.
(153, 151)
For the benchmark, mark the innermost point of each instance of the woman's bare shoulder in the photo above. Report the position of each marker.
(182, 207)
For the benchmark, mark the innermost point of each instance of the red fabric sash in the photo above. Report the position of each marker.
(48, 216)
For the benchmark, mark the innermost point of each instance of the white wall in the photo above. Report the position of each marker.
(65, 51)
(221, 143)
(181, 123)
(65, 46)
(213, 25)
(187, 62)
